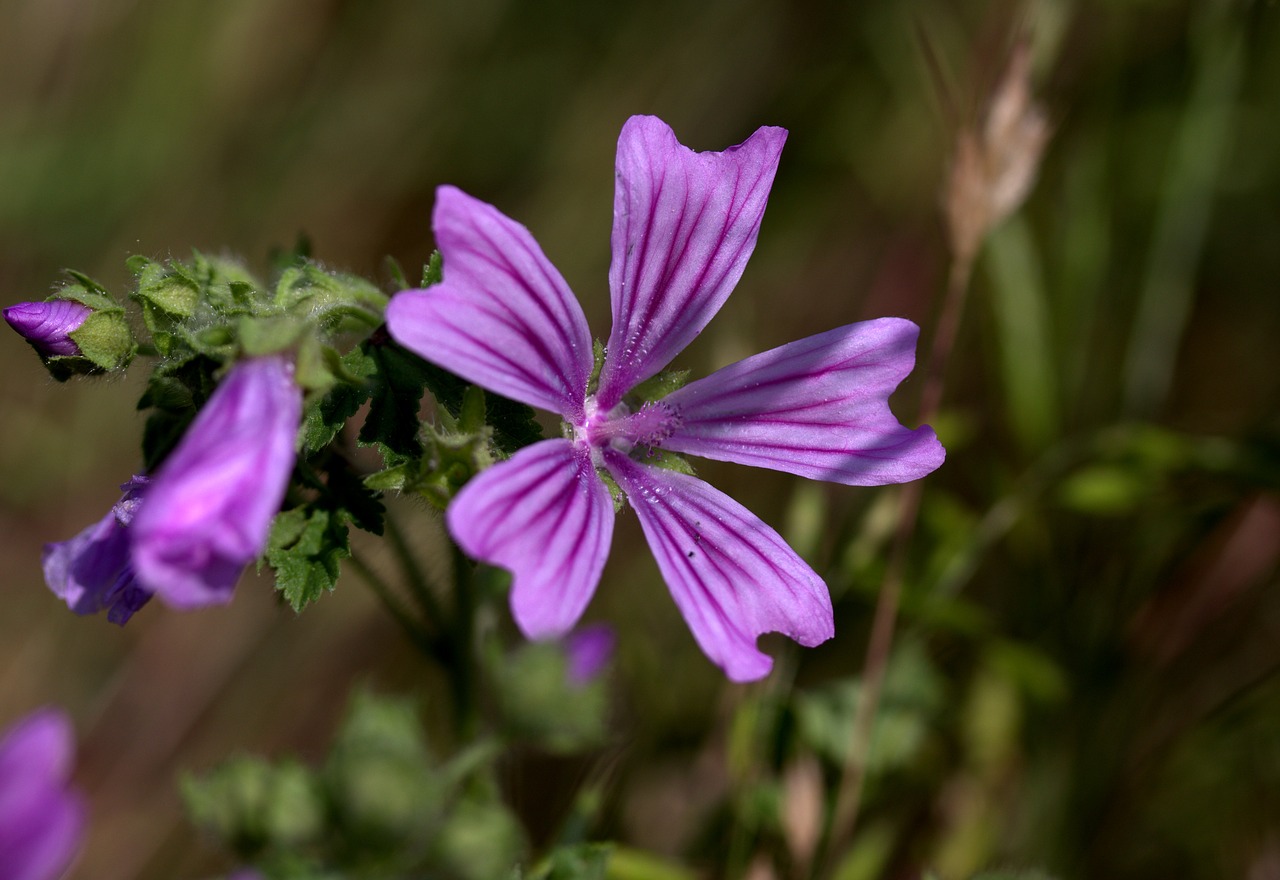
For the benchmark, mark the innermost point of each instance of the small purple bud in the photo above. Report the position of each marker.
(92, 571)
(48, 325)
(41, 817)
(209, 507)
(588, 651)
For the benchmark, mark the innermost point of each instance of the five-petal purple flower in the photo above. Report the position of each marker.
(685, 224)
(41, 817)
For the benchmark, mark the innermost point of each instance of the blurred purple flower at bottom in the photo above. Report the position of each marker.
(48, 325)
(588, 652)
(209, 506)
(93, 570)
(41, 818)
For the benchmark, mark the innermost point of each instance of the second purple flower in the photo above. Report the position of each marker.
(208, 509)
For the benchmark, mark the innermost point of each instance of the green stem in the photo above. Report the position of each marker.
(415, 633)
(414, 576)
(462, 669)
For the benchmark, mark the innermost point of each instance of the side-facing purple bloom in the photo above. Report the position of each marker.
(685, 224)
(41, 817)
(48, 325)
(93, 571)
(208, 509)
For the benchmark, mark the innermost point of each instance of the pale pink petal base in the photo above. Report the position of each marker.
(732, 576)
(818, 407)
(547, 517)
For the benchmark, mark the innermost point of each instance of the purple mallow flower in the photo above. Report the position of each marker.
(41, 817)
(209, 507)
(94, 571)
(685, 224)
(48, 325)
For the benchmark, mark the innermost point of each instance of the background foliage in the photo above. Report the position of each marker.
(1084, 678)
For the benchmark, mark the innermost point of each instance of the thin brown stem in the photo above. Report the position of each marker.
(880, 644)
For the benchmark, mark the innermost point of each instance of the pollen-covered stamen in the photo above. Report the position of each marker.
(648, 426)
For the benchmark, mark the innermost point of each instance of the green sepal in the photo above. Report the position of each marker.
(254, 806)
(615, 491)
(450, 460)
(330, 299)
(63, 367)
(662, 458)
(314, 365)
(659, 386)
(382, 781)
(597, 364)
(433, 271)
(304, 549)
(106, 340)
(267, 335)
(165, 290)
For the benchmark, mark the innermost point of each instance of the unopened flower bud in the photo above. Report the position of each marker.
(48, 325)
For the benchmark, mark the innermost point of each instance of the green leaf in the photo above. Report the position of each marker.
(395, 396)
(325, 416)
(304, 549)
(514, 424)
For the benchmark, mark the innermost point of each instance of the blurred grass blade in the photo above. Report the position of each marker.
(1200, 142)
(1026, 355)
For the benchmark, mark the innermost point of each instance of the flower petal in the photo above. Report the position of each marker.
(546, 516)
(818, 407)
(732, 576)
(93, 570)
(41, 818)
(49, 325)
(207, 511)
(684, 225)
(503, 316)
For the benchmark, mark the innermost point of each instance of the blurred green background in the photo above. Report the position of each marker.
(1085, 674)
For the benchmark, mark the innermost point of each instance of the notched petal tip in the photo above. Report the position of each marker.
(685, 225)
(732, 576)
